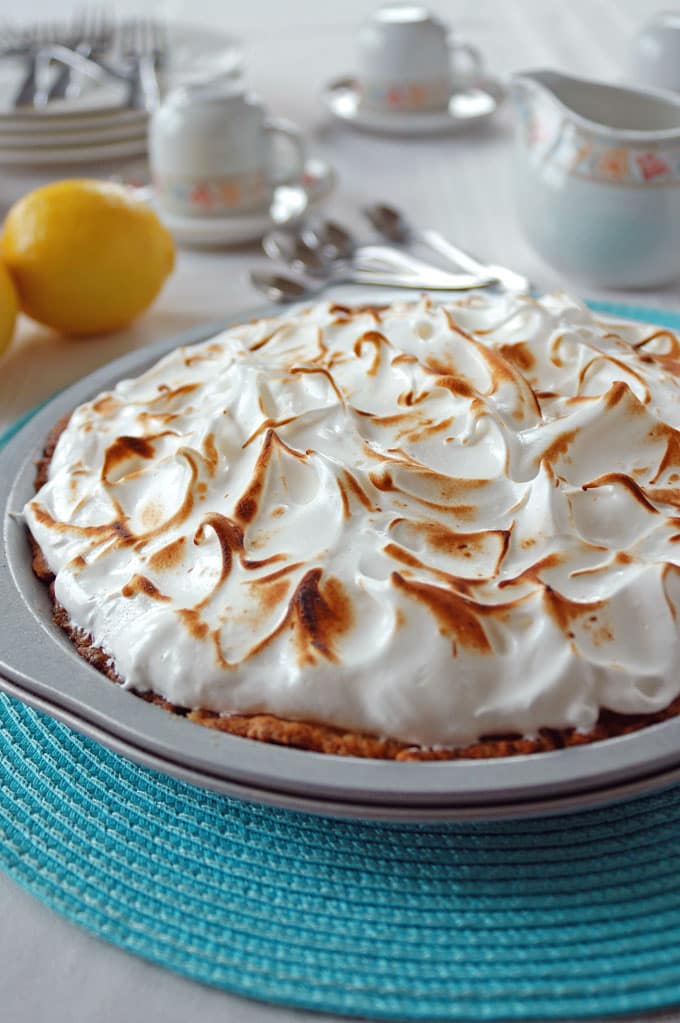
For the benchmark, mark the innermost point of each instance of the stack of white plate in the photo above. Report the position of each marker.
(71, 131)
(98, 125)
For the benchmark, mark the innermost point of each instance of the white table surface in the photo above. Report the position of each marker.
(49, 969)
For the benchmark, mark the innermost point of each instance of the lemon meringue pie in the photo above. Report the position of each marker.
(422, 527)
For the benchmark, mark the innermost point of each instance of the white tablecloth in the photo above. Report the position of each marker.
(49, 969)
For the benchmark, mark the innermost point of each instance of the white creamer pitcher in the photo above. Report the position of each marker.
(597, 177)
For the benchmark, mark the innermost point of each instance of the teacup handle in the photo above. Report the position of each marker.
(475, 59)
(283, 129)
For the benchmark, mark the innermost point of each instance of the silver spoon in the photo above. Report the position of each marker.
(279, 287)
(331, 238)
(282, 287)
(391, 224)
(296, 252)
(311, 250)
(308, 259)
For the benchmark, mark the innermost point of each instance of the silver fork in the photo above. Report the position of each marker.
(32, 40)
(143, 45)
(93, 35)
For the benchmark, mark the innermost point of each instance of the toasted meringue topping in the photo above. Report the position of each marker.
(426, 522)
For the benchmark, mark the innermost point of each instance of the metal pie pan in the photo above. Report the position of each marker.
(39, 665)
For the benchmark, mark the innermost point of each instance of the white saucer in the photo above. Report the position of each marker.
(476, 101)
(289, 203)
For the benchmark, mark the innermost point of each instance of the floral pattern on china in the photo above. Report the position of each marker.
(233, 193)
(416, 95)
(578, 152)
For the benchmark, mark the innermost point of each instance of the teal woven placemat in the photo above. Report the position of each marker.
(570, 916)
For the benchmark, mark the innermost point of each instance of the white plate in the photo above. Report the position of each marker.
(53, 155)
(36, 122)
(101, 132)
(290, 203)
(479, 100)
(194, 53)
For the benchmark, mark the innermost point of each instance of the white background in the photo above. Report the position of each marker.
(50, 970)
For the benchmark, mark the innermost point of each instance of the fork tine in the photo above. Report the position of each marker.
(104, 29)
(160, 38)
(8, 34)
(141, 36)
(79, 26)
(127, 36)
(149, 36)
(143, 39)
(95, 21)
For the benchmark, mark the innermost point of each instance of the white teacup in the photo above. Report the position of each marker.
(408, 61)
(213, 151)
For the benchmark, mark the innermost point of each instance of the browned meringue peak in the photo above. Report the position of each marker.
(429, 522)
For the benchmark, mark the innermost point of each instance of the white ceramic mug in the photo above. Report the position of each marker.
(214, 152)
(408, 60)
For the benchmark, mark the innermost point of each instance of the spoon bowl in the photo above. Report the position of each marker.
(388, 222)
(334, 241)
(296, 252)
(314, 250)
(280, 288)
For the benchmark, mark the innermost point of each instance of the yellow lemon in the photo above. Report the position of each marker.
(86, 256)
(9, 306)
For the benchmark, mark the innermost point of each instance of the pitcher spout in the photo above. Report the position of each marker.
(622, 113)
(541, 79)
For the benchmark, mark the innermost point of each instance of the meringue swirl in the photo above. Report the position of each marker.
(425, 522)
